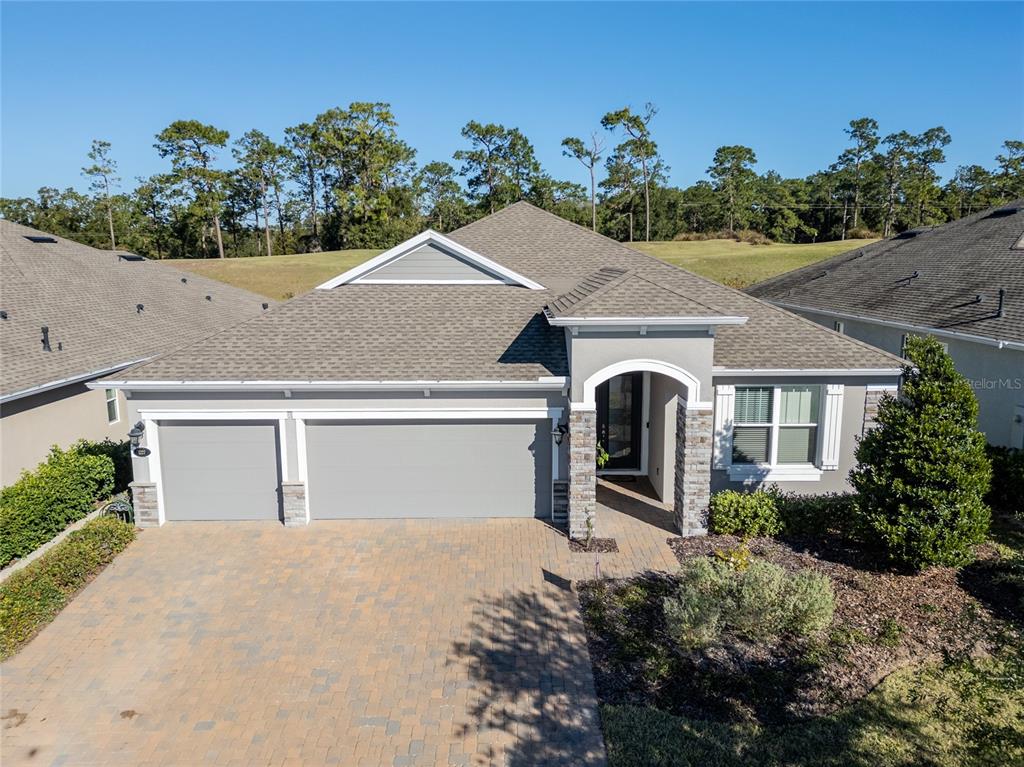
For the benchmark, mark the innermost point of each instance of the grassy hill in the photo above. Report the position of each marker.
(734, 263)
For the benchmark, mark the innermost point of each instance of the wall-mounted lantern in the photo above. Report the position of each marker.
(559, 432)
(134, 436)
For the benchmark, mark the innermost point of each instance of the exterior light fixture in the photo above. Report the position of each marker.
(559, 432)
(136, 434)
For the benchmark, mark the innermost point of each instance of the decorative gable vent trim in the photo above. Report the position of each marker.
(505, 275)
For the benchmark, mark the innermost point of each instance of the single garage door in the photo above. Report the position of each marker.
(218, 470)
(429, 469)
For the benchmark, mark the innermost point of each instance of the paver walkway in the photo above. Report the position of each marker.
(352, 643)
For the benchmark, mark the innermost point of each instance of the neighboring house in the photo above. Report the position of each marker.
(70, 314)
(472, 375)
(962, 283)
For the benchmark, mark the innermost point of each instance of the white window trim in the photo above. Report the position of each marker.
(773, 470)
(117, 406)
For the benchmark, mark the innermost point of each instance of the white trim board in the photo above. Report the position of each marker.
(445, 243)
(777, 372)
(679, 321)
(428, 414)
(546, 383)
(999, 343)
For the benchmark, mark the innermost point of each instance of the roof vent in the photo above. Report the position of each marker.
(265, 305)
(46, 338)
(130, 257)
(3, 314)
(911, 233)
(184, 280)
(39, 238)
(139, 308)
(209, 298)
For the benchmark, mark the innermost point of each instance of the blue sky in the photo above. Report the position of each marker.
(784, 79)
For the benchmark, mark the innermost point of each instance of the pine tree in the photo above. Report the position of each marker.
(923, 472)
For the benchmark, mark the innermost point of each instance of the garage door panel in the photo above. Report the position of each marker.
(220, 470)
(429, 469)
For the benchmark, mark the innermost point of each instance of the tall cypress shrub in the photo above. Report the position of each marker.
(922, 473)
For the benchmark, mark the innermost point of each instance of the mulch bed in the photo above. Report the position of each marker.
(884, 620)
(596, 546)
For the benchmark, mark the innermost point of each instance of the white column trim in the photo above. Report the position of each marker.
(725, 404)
(302, 457)
(282, 448)
(155, 474)
(832, 420)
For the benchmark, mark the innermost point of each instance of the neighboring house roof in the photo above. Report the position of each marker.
(88, 299)
(375, 333)
(947, 278)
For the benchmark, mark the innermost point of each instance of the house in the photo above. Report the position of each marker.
(962, 282)
(473, 375)
(70, 314)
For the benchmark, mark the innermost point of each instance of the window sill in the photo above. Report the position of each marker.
(764, 473)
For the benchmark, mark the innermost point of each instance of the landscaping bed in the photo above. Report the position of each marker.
(33, 596)
(883, 620)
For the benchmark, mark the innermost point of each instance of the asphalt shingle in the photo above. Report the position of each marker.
(498, 333)
(947, 277)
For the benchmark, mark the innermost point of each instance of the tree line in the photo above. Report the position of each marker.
(348, 180)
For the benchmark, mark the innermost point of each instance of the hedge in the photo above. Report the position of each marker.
(118, 452)
(62, 490)
(1006, 495)
(32, 597)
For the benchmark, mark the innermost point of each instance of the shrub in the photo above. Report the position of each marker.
(118, 452)
(33, 596)
(922, 472)
(819, 515)
(747, 514)
(43, 502)
(759, 602)
(1006, 494)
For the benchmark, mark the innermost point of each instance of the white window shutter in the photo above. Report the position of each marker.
(725, 402)
(832, 427)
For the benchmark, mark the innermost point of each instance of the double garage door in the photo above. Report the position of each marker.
(356, 470)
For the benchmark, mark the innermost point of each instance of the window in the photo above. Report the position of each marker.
(113, 416)
(839, 326)
(776, 425)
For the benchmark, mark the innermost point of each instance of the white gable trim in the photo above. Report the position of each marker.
(429, 236)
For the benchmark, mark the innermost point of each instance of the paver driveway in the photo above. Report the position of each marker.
(376, 643)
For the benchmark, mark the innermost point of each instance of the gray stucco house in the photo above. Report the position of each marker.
(962, 283)
(473, 374)
(70, 314)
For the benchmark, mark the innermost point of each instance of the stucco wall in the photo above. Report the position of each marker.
(592, 352)
(31, 425)
(664, 393)
(996, 374)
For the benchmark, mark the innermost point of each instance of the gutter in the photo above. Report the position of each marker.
(999, 343)
(68, 381)
(550, 383)
(773, 372)
(646, 321)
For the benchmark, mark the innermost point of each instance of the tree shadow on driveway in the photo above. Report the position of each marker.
(533, 699)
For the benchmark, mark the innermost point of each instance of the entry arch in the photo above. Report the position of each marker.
(683, 376)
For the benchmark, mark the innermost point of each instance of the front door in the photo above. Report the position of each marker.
(619, 415)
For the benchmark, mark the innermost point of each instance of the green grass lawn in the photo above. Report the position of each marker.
(735, 263)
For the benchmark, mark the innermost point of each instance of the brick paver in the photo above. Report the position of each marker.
(352, 643)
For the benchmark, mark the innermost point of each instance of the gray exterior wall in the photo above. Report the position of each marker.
(664, 394)
(429, 262)
(997, 375)
(592, 351)
(31, 425)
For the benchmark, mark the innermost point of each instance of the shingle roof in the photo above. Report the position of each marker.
(461, 332)
(614, 293)
(931, 277)
(88, 299)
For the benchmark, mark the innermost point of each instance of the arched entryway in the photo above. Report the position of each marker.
(676, 439)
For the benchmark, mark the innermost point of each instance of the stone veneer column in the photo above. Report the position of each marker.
(694, 437)
(871, 399)
(147, 513)
(293, 500)
(582, 473)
